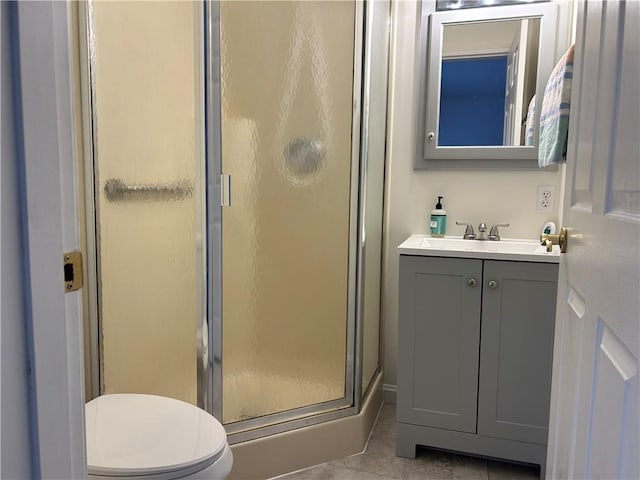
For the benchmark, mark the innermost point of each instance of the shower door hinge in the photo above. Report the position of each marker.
(225, 190)
(72, 267)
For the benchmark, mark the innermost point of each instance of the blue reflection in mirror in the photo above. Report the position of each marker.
(472, 101)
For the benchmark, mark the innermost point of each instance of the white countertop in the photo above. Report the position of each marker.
(523, 250)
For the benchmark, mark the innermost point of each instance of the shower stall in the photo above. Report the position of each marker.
(234, 170)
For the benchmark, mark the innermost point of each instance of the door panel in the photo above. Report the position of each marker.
(600, 275)
(586, 77)
(623, 191)
(146, 74)
(615, 407)
(569, 374)
(287, 110)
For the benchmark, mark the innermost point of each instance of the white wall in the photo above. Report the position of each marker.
(15, 459)
(474, 38)
(490, 196)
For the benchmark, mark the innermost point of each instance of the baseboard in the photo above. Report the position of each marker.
(389, 393)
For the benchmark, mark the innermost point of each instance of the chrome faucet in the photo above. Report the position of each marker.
(469, 234)
(482, 232)
(493, 233)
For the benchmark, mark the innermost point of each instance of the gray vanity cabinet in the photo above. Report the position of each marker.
(475, 342)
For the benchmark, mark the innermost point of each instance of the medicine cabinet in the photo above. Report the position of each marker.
(482, 77)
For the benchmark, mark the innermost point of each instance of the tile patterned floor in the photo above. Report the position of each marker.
(379, 462)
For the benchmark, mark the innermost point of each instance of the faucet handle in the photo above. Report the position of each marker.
(469, 234)
(493, 233)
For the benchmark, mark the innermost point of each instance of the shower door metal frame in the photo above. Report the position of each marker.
(369, 35)
(209, 382)
(87, 57)
(212, 399)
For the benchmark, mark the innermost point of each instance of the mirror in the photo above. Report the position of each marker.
(487, 82)
(486, 73)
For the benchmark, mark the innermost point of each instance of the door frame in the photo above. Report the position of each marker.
(47, 156)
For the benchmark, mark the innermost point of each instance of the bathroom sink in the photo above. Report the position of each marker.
(524, 250)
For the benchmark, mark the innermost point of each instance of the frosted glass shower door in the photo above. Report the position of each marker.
(287, 108)
(147, 102)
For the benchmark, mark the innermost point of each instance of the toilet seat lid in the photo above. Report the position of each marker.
(135, 434)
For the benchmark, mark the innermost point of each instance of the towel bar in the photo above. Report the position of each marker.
(117, 190)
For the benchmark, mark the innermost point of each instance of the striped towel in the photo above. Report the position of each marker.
(554, 117)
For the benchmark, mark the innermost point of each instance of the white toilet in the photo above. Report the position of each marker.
(147, 437)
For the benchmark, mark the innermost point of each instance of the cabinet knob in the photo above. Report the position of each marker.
(472, 282)
(493, 284)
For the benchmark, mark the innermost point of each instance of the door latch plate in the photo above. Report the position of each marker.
(72, 264)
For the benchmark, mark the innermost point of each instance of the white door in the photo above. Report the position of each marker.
(514, 92)
(594, 421)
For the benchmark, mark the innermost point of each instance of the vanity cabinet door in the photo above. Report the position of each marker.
(438, 342)
(518, 316)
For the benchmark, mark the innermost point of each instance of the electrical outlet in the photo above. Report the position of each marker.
(546, 198)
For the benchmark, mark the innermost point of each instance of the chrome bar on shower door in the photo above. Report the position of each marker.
(117, 190)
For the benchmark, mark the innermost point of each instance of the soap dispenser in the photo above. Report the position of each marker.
(438, 221)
